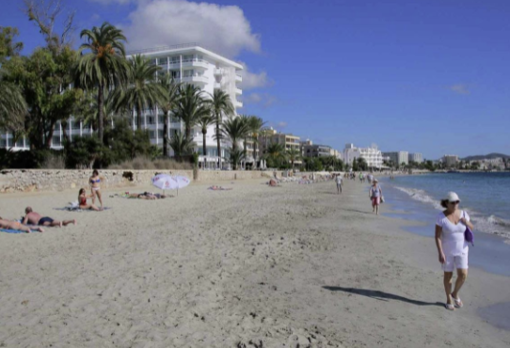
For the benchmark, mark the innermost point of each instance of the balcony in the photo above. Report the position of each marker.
(238, 104)
(239, 78)
(195, 79)
(239, 91)
(218, 72)
(217, 85)
(189, 63)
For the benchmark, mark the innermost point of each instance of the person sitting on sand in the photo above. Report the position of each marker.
(14, 225)
(34, 218)
(219, 188)
(82, 201)
(147, 195)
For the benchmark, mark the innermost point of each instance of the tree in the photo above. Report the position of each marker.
(362, 164)
(204, 122)
(236, 157)
(45, 79)
(293, 155)
(255, 125)
(181, 145)
(13, 109)
(275, 155)
(104, 67)
(220, 106)
(235, 129)
(190, 107)
(8, 46)
(169, 102)
(45, 15)
(142, 91)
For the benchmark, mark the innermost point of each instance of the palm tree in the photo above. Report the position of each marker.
(293, 155)
(105, 66)
(236, 156)
(143, 92)
(181, 145)
(204, 122)
(221, 105)
(190, 107)
(171, 99)
(276, 153)
(235, 129)
(255, 125)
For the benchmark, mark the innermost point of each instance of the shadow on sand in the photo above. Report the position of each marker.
(382, 296)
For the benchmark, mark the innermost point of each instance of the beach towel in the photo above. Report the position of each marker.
(13, 231)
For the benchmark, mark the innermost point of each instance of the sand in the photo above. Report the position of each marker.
(291, 266)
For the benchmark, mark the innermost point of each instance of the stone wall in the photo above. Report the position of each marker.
(29, 180)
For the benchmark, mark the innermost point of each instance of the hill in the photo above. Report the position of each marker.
(482, 157)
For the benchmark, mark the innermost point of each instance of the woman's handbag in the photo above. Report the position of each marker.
(468, 234)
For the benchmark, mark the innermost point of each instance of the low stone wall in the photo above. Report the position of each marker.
(29, 180)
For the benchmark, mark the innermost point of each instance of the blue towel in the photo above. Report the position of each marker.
(11, 231)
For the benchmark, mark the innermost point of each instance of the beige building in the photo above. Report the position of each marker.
(450, 160)
(289, 141)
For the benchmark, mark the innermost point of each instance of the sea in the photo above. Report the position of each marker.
(484, 196)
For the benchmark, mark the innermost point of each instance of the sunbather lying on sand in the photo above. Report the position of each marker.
(34, 218)
(272, 183)
(219, 188)
(147, 195)
(14, 225)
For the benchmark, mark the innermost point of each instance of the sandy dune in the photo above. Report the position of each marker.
(292, 266)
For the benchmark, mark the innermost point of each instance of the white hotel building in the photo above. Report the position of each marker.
(372, 155)
(187, 63)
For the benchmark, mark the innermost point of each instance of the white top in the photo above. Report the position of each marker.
(338, 180)
(452, 237)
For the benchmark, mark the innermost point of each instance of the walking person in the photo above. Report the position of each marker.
(452, 247)
(375, 194)
(95, 187)
(338, 181)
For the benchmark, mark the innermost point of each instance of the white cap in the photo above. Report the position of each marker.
(452, 197)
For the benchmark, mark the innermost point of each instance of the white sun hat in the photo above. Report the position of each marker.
(452, 197)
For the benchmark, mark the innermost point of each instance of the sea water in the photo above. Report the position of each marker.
(484, 196)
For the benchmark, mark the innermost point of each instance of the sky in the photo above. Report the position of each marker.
(427, 76)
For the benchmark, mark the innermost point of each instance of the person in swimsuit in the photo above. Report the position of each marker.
(14, 225)
(34, 218)
(95, 189)
(82, 201)
(452, 247)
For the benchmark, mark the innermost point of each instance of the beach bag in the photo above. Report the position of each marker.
(468, 234)
(382, 199)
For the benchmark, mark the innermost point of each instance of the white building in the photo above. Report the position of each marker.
(416, 157)
(187, 63)
(398, 157)
(450, 160)
(372, 155)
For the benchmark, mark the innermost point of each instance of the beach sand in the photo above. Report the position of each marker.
(291, 266)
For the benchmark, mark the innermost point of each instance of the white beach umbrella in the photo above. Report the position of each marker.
(165, 182)
(182, 182)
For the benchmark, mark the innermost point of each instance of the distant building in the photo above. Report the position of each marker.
(317, 150)
(397, 157)
(372, 155)
(450, 160)
(416, 157)
(289, 141)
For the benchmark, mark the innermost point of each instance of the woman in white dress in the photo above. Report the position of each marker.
(452, 247)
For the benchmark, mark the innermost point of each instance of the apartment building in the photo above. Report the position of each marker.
(416, 157)
(450, 160)
(289, 141)
(316, 150)
(397, 157)
(372, 155)
(187, 63)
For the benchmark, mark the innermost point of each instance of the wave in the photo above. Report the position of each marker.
(420, 195)
(491, 224)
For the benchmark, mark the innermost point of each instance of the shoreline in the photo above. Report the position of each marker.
(285, 265)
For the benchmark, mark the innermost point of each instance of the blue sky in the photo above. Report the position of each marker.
(429, 76)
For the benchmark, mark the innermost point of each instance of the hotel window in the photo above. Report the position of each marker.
(56, 141)
(3, 142)
(150, 120)
(175, 74)
(174, 60)
(162, 61)
(153, 61)
(160, 133)
(152, 134)
(75, 125)
(19, 143)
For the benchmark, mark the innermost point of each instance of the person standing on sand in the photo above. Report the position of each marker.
(95, 188)
(452, 247)
(338, 181)
(375, 194)
(34, 218)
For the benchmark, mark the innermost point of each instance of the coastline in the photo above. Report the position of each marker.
(285, 265)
